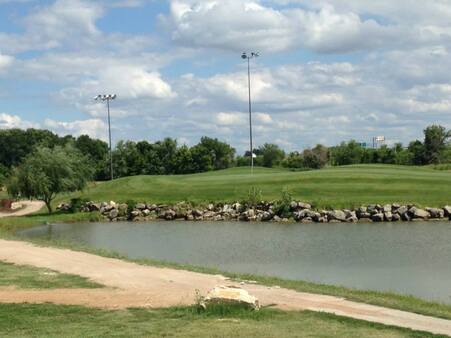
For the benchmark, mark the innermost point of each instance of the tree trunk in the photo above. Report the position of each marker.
(49, 206)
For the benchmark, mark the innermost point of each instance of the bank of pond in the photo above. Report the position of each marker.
(278, 211)
(405, 257)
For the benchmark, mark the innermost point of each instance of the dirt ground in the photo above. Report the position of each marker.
(132, 285)
(29, 207)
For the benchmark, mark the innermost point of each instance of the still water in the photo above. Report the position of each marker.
(406, 258)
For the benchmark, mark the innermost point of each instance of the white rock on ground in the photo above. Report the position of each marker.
(230, 295)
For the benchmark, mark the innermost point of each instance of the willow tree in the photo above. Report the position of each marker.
(46, 172)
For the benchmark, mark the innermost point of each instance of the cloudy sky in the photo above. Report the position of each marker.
(330, 70)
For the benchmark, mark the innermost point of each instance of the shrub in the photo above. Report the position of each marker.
(282, 207)
(254, 197)
(76, 204)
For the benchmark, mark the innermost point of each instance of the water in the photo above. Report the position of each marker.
(406, 258)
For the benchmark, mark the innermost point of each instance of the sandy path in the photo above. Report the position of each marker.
(30, 207)
(133, 285)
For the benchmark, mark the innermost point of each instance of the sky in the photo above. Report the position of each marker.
(328, 71)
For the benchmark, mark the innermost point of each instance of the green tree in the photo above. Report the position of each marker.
(97, 153)
(417, 152)
(435, 142)
(271, 154)
(46, 172)
(347, 153)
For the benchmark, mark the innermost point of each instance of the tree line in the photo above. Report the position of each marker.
(167, 157)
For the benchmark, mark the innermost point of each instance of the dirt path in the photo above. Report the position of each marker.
(30, 207)
(133, 285)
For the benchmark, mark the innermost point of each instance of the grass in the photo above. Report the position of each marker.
(27, 277)
(330, 187)
(39, 321)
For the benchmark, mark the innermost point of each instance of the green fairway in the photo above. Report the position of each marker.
(331, 187)
(71, 321)
(28, 277)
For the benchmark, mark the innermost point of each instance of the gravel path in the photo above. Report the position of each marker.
(30, 207)
(132, 285)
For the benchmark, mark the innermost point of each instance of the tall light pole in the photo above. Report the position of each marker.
(108, 98)
(248, 57)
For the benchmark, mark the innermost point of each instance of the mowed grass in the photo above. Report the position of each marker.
(47, 320)
(28, 277)
(330, 187)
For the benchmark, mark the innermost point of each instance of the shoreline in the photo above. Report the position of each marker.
(278, 211)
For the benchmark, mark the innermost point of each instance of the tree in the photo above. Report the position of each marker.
(347, 153)
(435, 141)
(272, 155)
(46, 172)
(417, 152)
(97, 152)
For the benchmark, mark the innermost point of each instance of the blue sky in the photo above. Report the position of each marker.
(330, 70)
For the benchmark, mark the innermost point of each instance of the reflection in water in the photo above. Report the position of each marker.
(409, 258)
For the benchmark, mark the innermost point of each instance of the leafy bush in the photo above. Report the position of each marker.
(131, 205)
(254, 197)
(76, 204)
(282, 207)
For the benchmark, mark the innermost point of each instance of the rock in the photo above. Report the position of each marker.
(294, 205)
(387, 208)
(395, 218)
(266, 216)
(94, 206)
(435, 212)
(140, 206)
(169, 215)
(113, 214)
(418, 213)
(337, 215)
(146, 212)
(211, 207)
(379, 217)
(135, 213)
(209, 215)
(230, 295)
(362, 212)
(302, 205)
(372, 209)
(388, 216)
(447, 210)
(402, 210)
(299, 215)
(197, 213)
(352, 219)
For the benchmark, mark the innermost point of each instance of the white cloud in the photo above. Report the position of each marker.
(69, 22)
(13, 121)
(232, 118)
(93, 127)
(5, 61)
(327, 26)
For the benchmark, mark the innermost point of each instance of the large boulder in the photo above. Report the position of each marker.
(417, 213)
(230, 295)
(379, 217)
(113, 214)
(435, 212)
(337, 215)
(447, 210)
(302, 205)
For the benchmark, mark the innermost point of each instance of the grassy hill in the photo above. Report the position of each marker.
(331, 187)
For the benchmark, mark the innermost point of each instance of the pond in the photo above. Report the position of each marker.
(406, 258)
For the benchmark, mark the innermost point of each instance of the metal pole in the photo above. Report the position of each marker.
(109, 132)
(250, 114)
